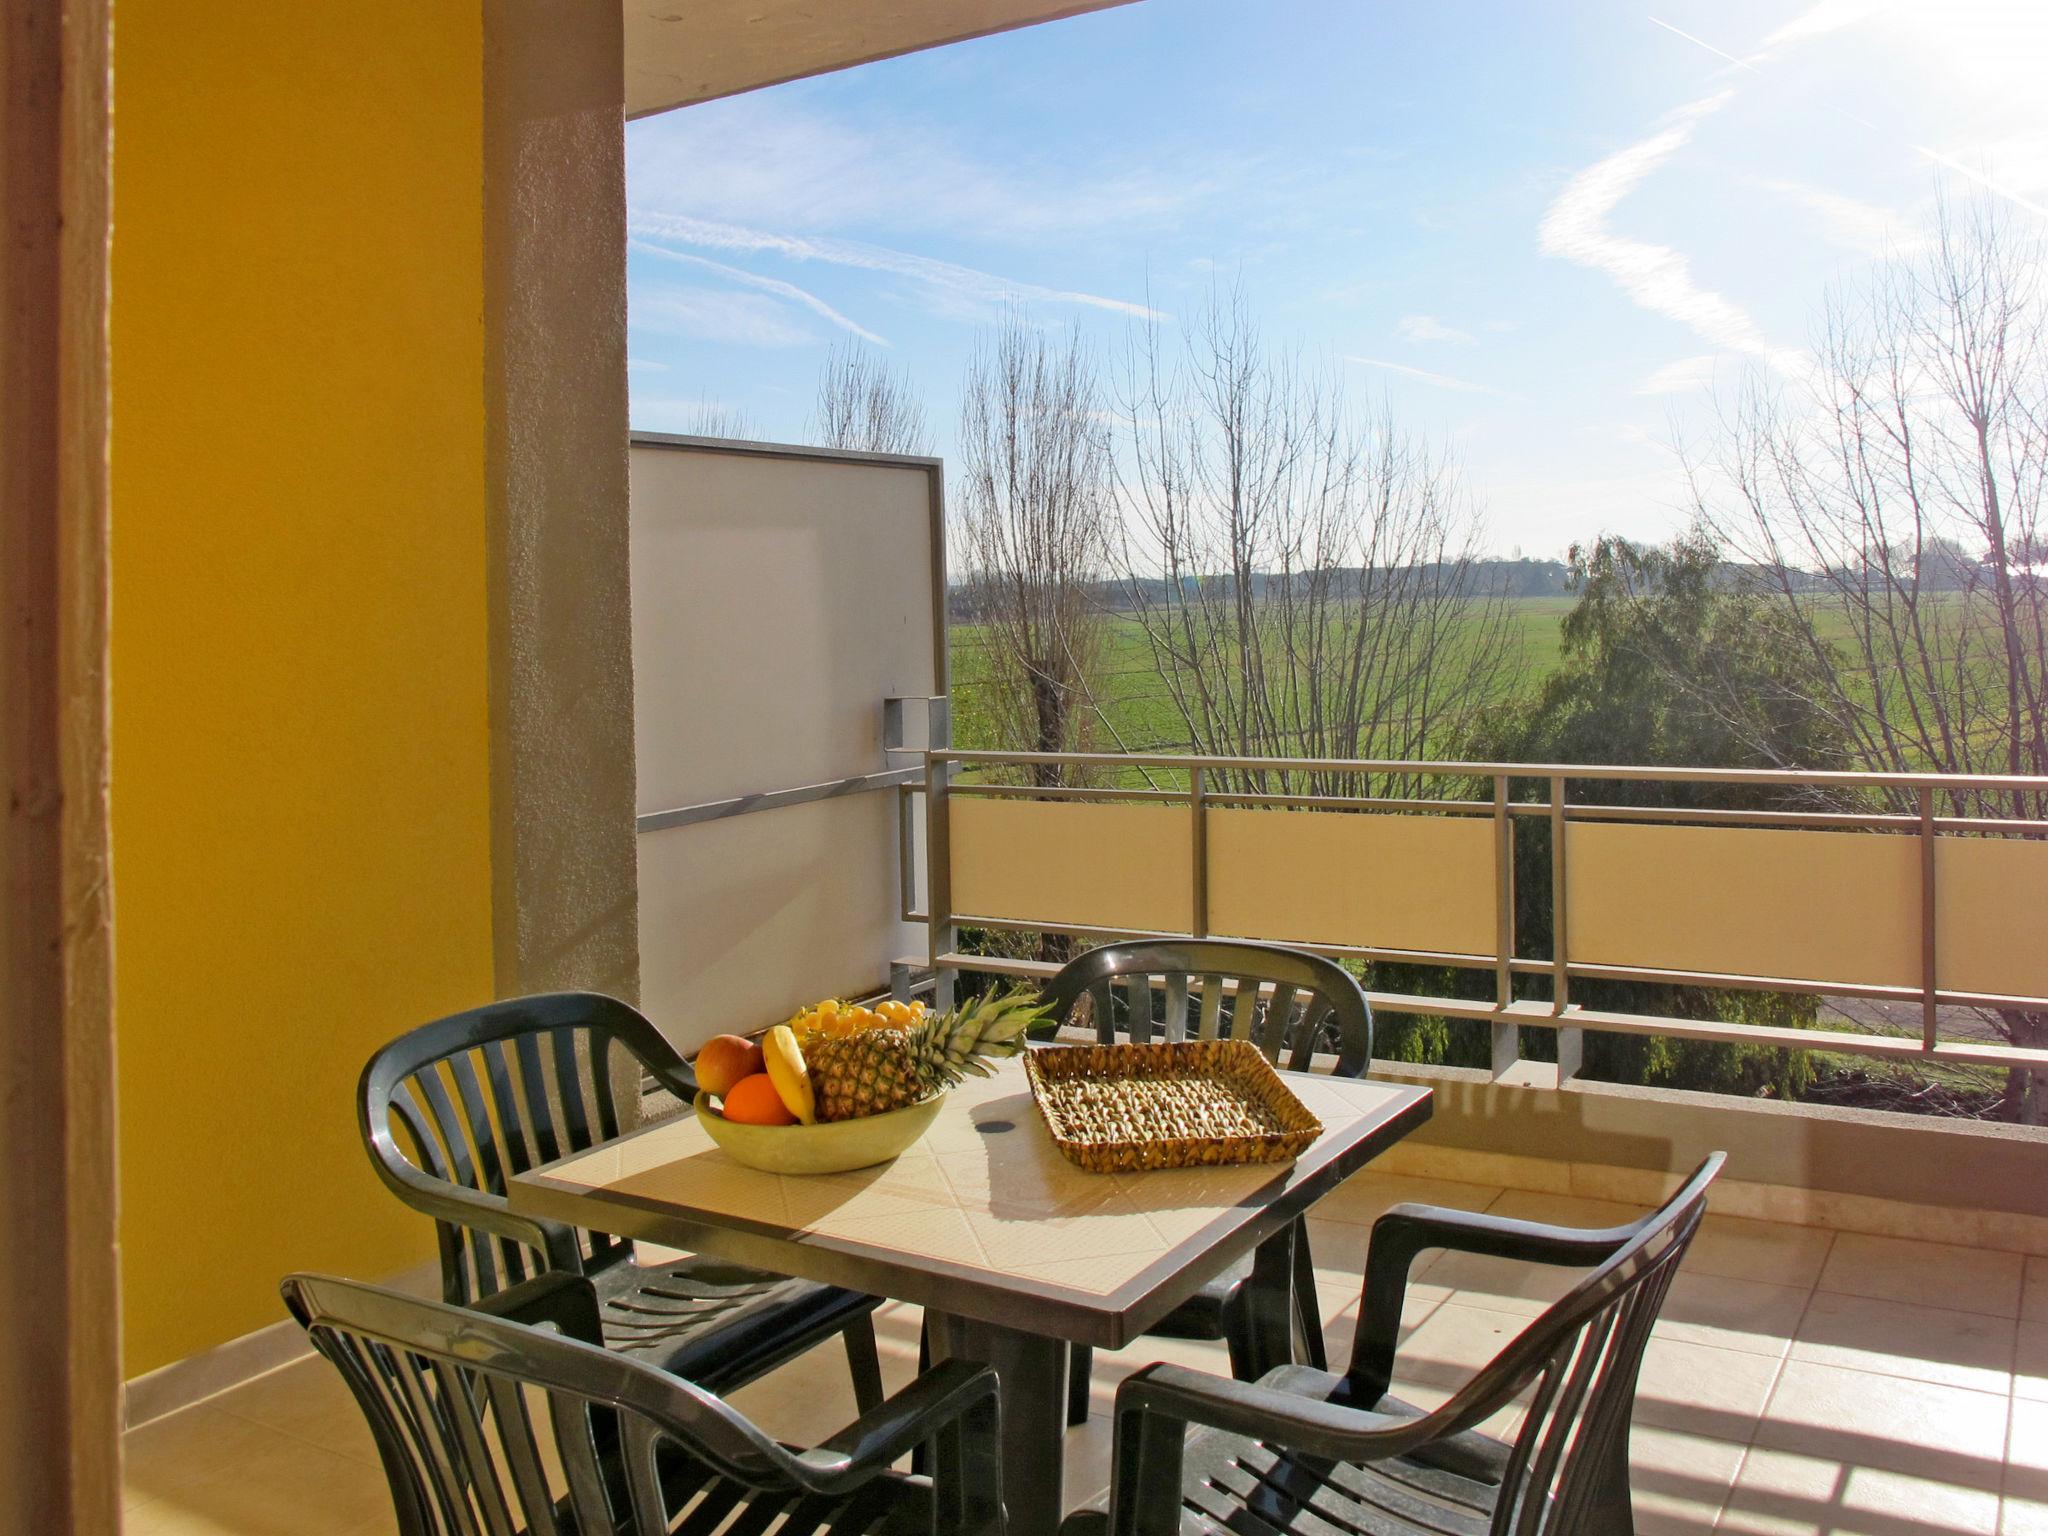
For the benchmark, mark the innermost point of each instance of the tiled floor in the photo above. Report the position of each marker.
(1801, 1381)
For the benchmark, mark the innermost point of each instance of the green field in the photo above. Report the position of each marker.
(1136, 706)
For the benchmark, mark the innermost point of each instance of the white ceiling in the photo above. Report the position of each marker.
(680, 51)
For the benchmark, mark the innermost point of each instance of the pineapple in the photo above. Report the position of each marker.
(886, 1068)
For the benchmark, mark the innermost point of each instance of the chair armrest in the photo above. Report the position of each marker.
(559, 1298)
(1407, 1230)
(1155, 1407)
(897, 1426)
(463, 1207)
(1309, 1425)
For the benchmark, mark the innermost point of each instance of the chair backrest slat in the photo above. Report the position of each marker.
(1273, 1027)
(483, 1135)
(533, 1081)
(1138, 1007)
(1176, 1007)
(480, 1467)
(571, 1418)
(513, 1419)
(518, 1149)
(1225, 982)
(445, 1471)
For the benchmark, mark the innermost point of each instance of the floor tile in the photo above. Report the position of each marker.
(1717, 1394)
(1680, 1481)
(2030, 1362)
(1781, 1493)
(1450, 1347)
(2025, 1507)
(1895, 1338)
(309, 1401)
(1504, 1285)
(1363, 1198)
(1849, 1451)
(1727, 1313)
(287, 1488)
(1931, 1274)
(2034, 1301)
(1773, 1251)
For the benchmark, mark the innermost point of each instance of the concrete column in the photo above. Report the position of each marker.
(565, 900)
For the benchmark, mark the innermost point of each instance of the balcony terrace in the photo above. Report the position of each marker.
(1804, 1378)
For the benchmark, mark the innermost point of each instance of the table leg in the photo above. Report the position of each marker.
(1032, 1372)
(1272, 1321)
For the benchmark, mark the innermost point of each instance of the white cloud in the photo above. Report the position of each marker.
(1436, 380)
(1680, 378)
(939, 277)
(1848, 222)
(1426, 328)
(1655, 276)
(773, 285)
(1819, 20)
(717, 315)
(770, 159)
(645, 365)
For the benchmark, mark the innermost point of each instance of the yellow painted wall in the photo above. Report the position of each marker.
(301, 785)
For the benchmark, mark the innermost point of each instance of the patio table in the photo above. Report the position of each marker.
(1015, 1254)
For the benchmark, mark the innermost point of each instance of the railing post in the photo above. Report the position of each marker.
(1929, 982)
(1198, 839)
(1571, 1043)
(938, 853)
(1507, 1035)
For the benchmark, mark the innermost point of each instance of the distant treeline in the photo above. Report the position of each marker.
(1941, 570)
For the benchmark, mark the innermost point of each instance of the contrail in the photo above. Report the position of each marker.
(1948, 161)
(773, 285)
(1703, 43)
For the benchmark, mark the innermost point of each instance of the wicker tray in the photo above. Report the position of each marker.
(1117, 1107)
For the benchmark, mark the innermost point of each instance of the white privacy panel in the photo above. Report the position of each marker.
(779, 596)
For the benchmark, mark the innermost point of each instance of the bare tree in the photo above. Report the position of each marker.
(714, 418)
(1894, 508)
(864, 404)
(1303, 571)
(1030, 517)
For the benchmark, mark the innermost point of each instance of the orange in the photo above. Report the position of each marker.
(753, 1101)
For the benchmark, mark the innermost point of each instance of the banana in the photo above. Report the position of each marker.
(786, 1070)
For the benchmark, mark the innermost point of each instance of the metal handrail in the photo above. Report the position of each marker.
(1820, 778)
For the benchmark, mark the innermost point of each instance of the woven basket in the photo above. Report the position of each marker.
(1112, 1108)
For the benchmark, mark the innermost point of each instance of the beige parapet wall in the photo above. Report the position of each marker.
(1918, 1176)
(1800, 910)
(1811, 905)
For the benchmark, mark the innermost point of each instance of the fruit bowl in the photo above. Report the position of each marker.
(834, 1146)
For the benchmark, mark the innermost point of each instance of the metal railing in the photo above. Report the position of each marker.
(1215, 782)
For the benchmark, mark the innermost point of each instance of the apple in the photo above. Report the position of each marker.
(724, 1060)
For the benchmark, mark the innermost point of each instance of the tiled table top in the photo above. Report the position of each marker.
(981, 1209)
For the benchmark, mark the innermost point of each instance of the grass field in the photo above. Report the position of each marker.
(1137, 707)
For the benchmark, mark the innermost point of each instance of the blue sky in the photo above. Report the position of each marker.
(1546, 231)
